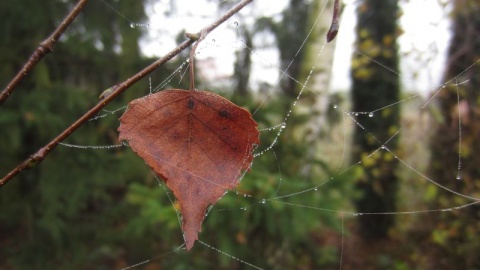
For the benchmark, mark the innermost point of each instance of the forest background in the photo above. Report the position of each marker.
(104, 209)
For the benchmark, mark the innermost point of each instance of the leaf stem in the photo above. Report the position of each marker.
(43, 49)
(40, 155)
(192, 57)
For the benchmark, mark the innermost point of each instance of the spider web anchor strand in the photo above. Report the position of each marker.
(93, 146)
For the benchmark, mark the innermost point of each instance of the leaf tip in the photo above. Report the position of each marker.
(190, 235)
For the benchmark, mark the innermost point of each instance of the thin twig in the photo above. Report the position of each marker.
(43, 49)
(40, 155)
(332, 32)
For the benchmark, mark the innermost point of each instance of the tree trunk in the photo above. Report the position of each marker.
(459, 100)
(290, 34)
(317, 64)
(375, 86)
(243, 63)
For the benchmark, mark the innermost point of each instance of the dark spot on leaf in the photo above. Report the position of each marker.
(190, 104)
(224, 114)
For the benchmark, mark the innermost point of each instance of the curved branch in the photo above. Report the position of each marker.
(43, 49)
(40, 155)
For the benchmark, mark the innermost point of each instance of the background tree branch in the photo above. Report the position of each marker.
(43, 49)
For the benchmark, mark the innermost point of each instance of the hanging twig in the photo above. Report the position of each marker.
(40, 155)
(332, 32)
(43, 49)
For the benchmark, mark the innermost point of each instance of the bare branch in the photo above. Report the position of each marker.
(40, 155)
(43, 49)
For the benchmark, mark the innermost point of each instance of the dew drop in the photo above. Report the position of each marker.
(315, 189)
(459, 177)
(283, 125)
(335, 106)
(263, 201)
(132, 25)
(356, 114)
(370, 114)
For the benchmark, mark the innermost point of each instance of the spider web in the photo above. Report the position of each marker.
(286, 203)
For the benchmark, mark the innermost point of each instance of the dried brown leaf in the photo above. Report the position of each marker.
(197, 141)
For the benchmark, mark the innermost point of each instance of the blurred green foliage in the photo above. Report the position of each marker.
(103, 208)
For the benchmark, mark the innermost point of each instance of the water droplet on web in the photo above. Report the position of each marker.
(132, 25)
(283, 125)
(356, 114)
(263, 201)
(370, 114)
(459, 177)
(335, 106)
(315, 189)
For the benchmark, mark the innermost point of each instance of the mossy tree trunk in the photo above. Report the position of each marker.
(375, 86)
(459, 100)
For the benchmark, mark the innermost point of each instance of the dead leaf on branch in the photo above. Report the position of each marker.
(198, 142)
